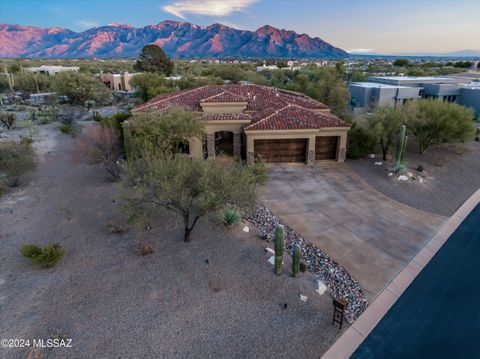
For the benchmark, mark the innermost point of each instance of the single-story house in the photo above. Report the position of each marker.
(259, 124)
(118, 82)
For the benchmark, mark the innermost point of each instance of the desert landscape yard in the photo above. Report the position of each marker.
(214, 297)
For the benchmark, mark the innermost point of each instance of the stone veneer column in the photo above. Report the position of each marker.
(210, 146)
(250, 157)
(342, 152)
(237, 146)
(311, 157)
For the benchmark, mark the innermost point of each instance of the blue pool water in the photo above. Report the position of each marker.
(438, 316)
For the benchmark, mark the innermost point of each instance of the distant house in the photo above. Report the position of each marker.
(258, 124)
(51, 70)
(265, 67)
(40, 97)
(118, 82)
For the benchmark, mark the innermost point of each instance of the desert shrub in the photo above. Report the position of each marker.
(30, 251)
(145, 250)
(46, 257)
(68, 114)
(115, 120)
(229, 217)
(7, 120)
(97, 117)
(67, 129)
(71, 129)
(15, 160)
(3, 190)
(100, 146)
(360, 142)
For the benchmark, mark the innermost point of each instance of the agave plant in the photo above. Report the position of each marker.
(229, 217)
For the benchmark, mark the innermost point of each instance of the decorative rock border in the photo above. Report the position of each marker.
(335, 276)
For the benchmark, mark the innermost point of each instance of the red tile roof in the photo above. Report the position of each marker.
(226, 117)
(267, 107)
(295, 118)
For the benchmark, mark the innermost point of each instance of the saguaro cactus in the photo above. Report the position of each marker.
(296, 256)
(279, 239)
(401, 144)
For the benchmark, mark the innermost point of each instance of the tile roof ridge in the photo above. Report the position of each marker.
(178, 94)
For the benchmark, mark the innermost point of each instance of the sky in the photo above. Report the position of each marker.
(377, 26)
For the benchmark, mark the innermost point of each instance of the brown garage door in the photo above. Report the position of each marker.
(289, 150)
(326, 147)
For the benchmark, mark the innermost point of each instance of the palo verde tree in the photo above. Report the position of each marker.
(79, 87)
(153, 59)
(189, 187)
(435, 122)
(164, 133)
(149, 85)
(384, 123)
(159, 177)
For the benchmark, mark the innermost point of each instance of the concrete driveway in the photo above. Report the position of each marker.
(369, 234)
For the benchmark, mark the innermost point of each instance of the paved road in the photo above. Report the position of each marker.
(369, 234)
(437, 316)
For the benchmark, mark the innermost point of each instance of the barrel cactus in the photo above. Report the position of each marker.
(296, 256)
(279, 243)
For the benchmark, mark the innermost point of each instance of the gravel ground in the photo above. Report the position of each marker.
(319, 263)
(216, 297)
(450, 176)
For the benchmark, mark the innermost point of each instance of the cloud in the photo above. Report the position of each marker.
(218, 8)
(57, 10)
(360, 51)
(86, 24)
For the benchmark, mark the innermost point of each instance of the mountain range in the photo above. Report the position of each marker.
(178, 39)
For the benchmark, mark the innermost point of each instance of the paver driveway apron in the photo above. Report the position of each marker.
(369, 234)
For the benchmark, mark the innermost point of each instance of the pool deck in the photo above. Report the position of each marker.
(351, 339)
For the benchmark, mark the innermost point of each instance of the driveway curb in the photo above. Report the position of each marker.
(351, 339)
